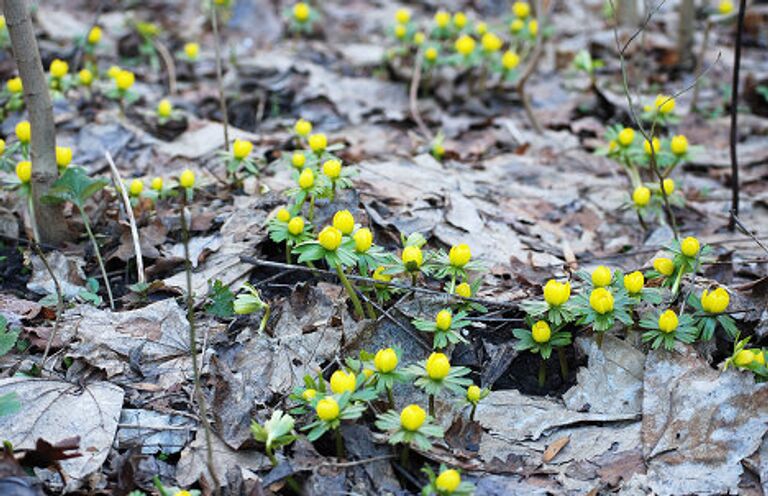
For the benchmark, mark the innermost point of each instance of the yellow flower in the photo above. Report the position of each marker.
(63, 156)
(85, 77)
(2, 146)
(473, 394)
(665, 104)
(716, 301)
(125, 80)
(379, 275)
(521, 9)
(157, 184)
(24, 171)
(744, 358)
(442, 18)
(516, 26)
(363, 240)
(759, 356)
(669, 186)
(241, 149)
(400, 31)
(306, 179)
(301, 12)
(309, 394)
(283, 215)
(491, 42)
(187, 179)
(601, 276)
(368, 373)
(533, 27)
(182, 493)
(298, 160)
(725, 7)
(481, 28)
(302, 127)
(385, 360)
(327, 409)
(296, 226)
(329, 238)
(443, 320)
(460, 20)
(114, 71)
(448, 480)
(656, 146)
(136, 187)
(342, 382)
(24, 131)
(601, 301)
(541, 332)
(164, 108)
(412, 417)
(641, 196)
(419, 38)
(318, 142)
(412, 258)
(668, 321)
(465, 45)
(59, 68)
(460, 255)
(191, 50)
(634, 282)
(510, 60)
(556, 293)
(15, 85)
(2, 22)
(94, 35)
(464, 290)
(664, 266)
(690, 246)
(438, 366)
(332, 169)
(431, 54)
(679, 145)
(612, 145)
(626, 136)
(402, 16)
(344, 222)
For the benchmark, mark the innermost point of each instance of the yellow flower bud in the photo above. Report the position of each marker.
(626, 136)
(24, 131)
(473, 394)
(634, 282)
(442, 18)
(431, 54)
(533, 27)
(601, 276)
(402, 16)
(309, 394)
(400, 31)
(465, 45)
(716, 301)
(516, 26)
(668, 321)
(136, 187)
(541, 332)
(510, 60)
(344, 222)
(679, 145)
(459, 255)
(521, 9)
(24, 171)
(664, 266)
(656, 146)
(327, 409)
(306, 179)
(125, 80)
(85, 77)
(298, 159)
(164, 108)
(296, 226)
(665, 104)
(114, 71)
(669, 186)
(690, 246)
(2, 22)
(641, 196)
(448, 480)
(601, 301)
(2, 146)
(744, 358)
(318, 142)
(368, 373)
(556, 293)
(412, 258)
(241, 149)
(342, 382)
(464, 290)
(412, 417)
(363, 240)
(438, 366)
(329, 238)
(379, 275)
(187, 179)
(759, 357)
(192, 50)
(419, 38)
(15, 85)
(725, 7)
(283, 215)
(63, 156)
(460, 20)
(385, 360)
(481, 28)
(94, 35)
(332, 169)
(302, 127)
(58, 68)
(443, 320)
(301, 12)
(491, 42)
(157, 184)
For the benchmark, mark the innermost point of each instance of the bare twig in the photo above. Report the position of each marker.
(219, 77)
(59, 302)
(170, 66)
(734, 114)
(533, 62)
(700, 64)
(745, 230)
(131, 218)
(414, 97)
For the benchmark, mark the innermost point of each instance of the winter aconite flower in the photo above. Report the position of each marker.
(59, 68)
(400, 31)
(491, 42)
(419, 38)
(363, 240)
(114, 71)
(438, 366)
(191, 50)
(665, 104)
(634, 282)
(306, 179)
(668, 321)
(448, 480)
(556, 293)
(296, 226)
(402, 16)
(626, 136)
(481, 28)
(301, 12)
(725, 7)
(641, 196)
(385, 360)
(136, 187)
(241, 149)
(343, 382)
(283, 215)
(332, 168)
(510, 60)
(85, 77)
(329, 238)
(664, 266)
(516, 26)
(187, 179)
(669, 186)
(443, 320)
(125, 80)
(690, 246)
(344, 221)
(601, 301)
(656, 146)
(302, 128)
(716, 301)
(460, 20)
(24, 171)
(24, 131)
(679, 145)
(442, 19)
(412, 417)
(431, 54)
(412, 258)
(157, 184)
(601, 276)
(465, 45)
(521, 9)
(318, 142)
(309, 394)
(298, 160)
(327, 409)
(541, 332)
(460, 255)
(744, 358)
(533, 27)
(94, 35)
(474, 393)
(464, 290)
(164, 108)
(14, 85)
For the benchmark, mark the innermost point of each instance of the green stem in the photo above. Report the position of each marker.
(339, 443)
(390, 398)
(452, 288)
(414, 277)
(271, 456)
(432, 405)
(404, 455)
(98, 257)
(265, 318)
(311, 214)
(472, 412)
(288, 253)
(563, 363)
(32, 219)
(599, 339)
(542, 373)
(351, 292)
(678, 278)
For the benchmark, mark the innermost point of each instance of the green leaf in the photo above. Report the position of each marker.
(7, 337)
(74, 186)
(220, 301)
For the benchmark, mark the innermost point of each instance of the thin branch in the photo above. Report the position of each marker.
(734, 136)
(414, 97)
(170, 66)
(219, 78)
(59, 302)
(533, 63)
(120, 186)
(746, 231)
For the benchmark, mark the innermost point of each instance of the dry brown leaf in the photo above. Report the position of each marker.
(554, 448)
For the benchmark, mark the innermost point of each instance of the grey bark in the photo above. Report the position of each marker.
(49, 219)
(685, 34)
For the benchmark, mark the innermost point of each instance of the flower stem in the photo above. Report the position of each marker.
(265, 318)
(563, 363)
(432, 405)
(288, 253)
(678, 278)
(339, 443)
(98, 257)
(311, 214)
(391, 398)
(542, 373)
(452, 288)
(271, 456)
(599, 339)
(351, 292)
(404, 455)
(472, 412)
